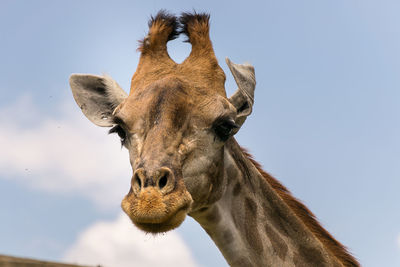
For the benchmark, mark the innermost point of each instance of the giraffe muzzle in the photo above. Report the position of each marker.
(158, 201)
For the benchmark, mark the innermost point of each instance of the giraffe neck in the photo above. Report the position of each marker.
(253, 226)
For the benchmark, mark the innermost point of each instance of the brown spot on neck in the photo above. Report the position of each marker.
(243, 262)
(213, 215)
(250, 226)
(227, 236)
(307, 256)
(278, 244)
(236, 189)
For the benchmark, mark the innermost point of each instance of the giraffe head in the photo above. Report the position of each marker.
(174, 122)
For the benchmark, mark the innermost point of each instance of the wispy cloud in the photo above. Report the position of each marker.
(118, 243)
(69, 155)
(62, 155)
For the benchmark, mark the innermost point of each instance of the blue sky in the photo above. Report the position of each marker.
(325, 122)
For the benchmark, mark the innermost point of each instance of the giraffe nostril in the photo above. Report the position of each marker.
(139, 182)
(136, 181)
(163, 181)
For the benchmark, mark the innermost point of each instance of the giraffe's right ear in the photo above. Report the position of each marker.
(243, 98)
(97, 96)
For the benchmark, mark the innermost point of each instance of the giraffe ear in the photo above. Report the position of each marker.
(97, 96)
(243, 98)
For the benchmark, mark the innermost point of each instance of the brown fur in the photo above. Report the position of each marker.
(279, 245)
(307, 217)
(200, 69)
(252, 237)
(162, 28)
(153, 212)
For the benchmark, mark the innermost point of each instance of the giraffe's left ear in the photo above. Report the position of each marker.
(243, 98)
(97, 96)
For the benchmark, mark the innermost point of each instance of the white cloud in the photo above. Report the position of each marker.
(69, 155)
(62, 155)
(119, 244)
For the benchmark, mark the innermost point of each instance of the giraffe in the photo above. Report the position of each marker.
(178, 126)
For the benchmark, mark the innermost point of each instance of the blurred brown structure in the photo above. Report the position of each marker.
(8, 261)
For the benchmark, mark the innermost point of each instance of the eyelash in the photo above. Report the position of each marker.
(121, 133)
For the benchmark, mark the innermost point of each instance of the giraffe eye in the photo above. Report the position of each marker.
(121, 133)
(224, 128)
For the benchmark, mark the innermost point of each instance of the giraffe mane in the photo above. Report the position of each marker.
(306, 216)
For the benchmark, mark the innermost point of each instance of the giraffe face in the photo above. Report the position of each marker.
(174, 122)
(175, 135)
